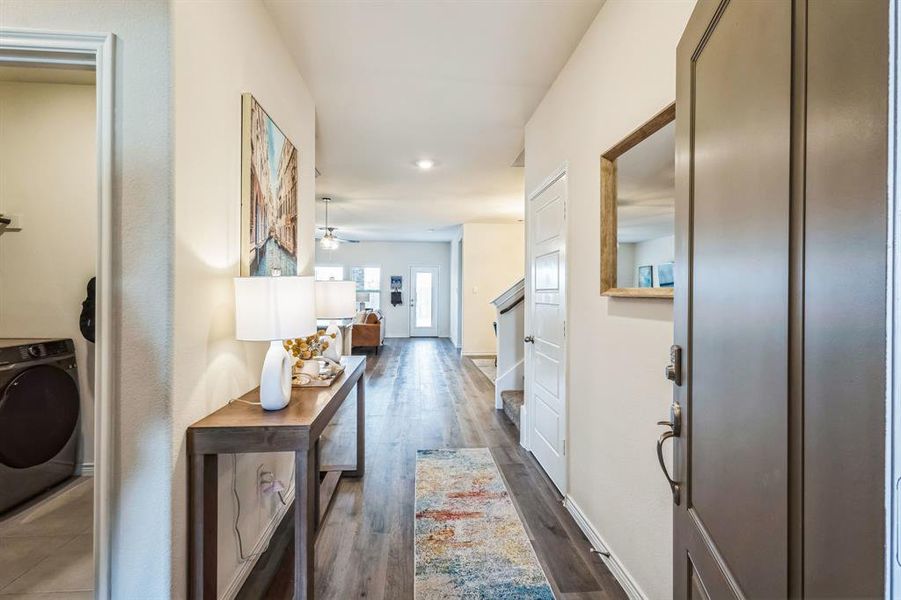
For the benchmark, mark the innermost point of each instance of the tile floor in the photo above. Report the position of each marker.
(46, 549)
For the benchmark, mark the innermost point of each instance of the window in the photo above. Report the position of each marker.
(369, 284)
(423, 285)
(324, 273)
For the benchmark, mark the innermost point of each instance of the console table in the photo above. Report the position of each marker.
(239, 427)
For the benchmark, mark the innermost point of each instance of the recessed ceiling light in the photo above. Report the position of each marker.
(425, 163)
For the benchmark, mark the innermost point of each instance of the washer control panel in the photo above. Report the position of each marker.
(34, 350)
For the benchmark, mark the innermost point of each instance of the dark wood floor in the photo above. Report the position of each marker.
(421, 394)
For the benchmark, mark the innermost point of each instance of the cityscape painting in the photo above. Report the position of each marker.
(268, 195)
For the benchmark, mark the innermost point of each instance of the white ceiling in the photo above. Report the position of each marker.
(454, 81)
(646, 188)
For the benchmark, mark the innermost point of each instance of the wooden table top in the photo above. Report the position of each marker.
(306, 415)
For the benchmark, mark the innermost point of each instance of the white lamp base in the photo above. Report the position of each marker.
(275, 380)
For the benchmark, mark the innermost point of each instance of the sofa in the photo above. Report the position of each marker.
(367, 330)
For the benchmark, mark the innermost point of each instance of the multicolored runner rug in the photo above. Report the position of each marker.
(469, 541)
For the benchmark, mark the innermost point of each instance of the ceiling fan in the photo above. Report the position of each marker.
(330, 240)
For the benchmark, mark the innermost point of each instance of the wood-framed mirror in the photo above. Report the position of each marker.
(638, 211)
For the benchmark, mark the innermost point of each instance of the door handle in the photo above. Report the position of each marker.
(675, 429)
(529, 339)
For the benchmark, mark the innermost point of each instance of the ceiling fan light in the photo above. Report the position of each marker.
(328, 242)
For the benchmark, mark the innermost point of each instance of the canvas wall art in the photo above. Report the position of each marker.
(268, 195)
(665, 274)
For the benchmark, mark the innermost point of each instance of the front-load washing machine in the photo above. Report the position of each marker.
(39, 414)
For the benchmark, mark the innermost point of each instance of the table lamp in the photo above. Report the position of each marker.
(335, 300)
(273, 309)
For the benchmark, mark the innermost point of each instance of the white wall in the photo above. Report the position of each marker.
(396, 258)
(48, 178)
(222, 50)
(625, 265)
(141, 547)
(630, 256)
(493, 260)
(622, 73)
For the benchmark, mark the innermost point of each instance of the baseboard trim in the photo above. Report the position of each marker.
(621, 573)
(478, 354)
(244, 569)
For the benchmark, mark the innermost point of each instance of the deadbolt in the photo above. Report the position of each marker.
(673, 370)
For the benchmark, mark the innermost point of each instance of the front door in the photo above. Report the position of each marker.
(424, 302)
(546, 304)
(779, 357)
(731, 301)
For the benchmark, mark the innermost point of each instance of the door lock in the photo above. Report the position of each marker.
(529, 339)
(673, 370)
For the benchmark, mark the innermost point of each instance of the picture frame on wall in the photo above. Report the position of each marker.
(269, 183)
(646, 276)
(665, 275)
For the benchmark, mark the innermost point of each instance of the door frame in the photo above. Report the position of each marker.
(80, 50)
(893, 314)
(436, 299)
(527, 418)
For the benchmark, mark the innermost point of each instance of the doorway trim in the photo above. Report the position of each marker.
(527, 423)
(893, 315)
(89, 50)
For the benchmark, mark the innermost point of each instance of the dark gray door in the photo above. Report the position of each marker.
(843, 511)
(780, 299)
(733, 150)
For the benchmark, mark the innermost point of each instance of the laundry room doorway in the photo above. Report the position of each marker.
(55, 302)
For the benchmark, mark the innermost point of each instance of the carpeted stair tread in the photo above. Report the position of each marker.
(513, 400)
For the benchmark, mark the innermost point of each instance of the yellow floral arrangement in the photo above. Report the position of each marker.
(307, 348)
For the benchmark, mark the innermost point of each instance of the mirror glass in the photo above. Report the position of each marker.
(645, 212)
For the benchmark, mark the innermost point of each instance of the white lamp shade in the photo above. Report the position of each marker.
(335, 299)
(274, 308)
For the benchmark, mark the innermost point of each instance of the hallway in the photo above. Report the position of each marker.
(422, 395)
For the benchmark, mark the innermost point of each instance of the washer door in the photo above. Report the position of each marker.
(38, 414)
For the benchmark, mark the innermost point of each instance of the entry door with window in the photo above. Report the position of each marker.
(545, 384)
(424, 301)
(779, 363)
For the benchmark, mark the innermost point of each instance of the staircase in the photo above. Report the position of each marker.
(512, 401)
(510, 310)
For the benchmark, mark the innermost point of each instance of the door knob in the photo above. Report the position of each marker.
(529, 339)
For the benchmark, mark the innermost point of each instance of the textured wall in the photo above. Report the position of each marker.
(142, 259)
(493, 260)
(221, 50)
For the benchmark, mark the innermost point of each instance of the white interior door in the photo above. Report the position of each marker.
(424, 301)
(546, 330)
